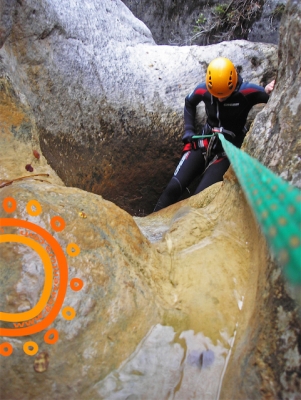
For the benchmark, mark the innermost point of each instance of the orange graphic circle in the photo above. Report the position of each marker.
(51, 340)
(9, 208)
(63, 270)
(73, 250)
(68, 313)
(38, 308)
(36, 205)
(6, 349)
(30, 348)
(57, 223)
(76, 284)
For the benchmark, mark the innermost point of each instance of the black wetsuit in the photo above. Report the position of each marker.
(230, 114)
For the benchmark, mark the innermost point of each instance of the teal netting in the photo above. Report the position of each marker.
(277, 207)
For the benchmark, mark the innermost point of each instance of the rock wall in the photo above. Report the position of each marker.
(266, 29)
(20, 151)
(173, 22)
(276, 137)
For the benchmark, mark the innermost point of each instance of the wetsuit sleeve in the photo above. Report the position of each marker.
(254, 94)
(191, 102)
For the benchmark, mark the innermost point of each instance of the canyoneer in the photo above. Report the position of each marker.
(228, 101)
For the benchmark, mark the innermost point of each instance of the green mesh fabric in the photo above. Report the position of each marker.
(276, 205)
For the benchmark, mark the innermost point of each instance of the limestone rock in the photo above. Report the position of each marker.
(7, 8)
(114, 309)
(276, 137)
(266, 29)
(176, 301)
(172, 22)
(107, 101)
(20, 151)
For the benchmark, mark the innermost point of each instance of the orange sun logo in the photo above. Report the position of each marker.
(56, 277)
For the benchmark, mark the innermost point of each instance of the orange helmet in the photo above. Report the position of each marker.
(221, 77)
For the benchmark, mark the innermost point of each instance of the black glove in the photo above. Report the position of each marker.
(187, 137)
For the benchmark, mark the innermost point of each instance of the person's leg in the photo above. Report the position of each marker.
(214, 173)
(191, 164)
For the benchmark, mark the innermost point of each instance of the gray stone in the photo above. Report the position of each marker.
(266, 29)
(7, 8)
(173, 22)
(276, 137)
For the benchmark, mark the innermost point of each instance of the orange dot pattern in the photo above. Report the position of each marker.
(57, 223)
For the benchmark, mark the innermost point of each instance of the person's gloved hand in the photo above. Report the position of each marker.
(187, 137)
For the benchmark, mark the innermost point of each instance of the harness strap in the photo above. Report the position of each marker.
(200, 144)
(187, 147)
(223, 131)
(217, 158)
(207, 145)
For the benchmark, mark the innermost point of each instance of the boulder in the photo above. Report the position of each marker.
(114, 309)
(182, 298)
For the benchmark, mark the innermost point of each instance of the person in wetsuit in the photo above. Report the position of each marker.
(228, 100)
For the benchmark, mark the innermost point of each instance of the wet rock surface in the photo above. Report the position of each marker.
(113, 302)
(192, 308)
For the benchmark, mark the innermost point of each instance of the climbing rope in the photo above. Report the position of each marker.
(277, 207)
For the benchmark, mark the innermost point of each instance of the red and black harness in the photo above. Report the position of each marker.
(207, 143)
